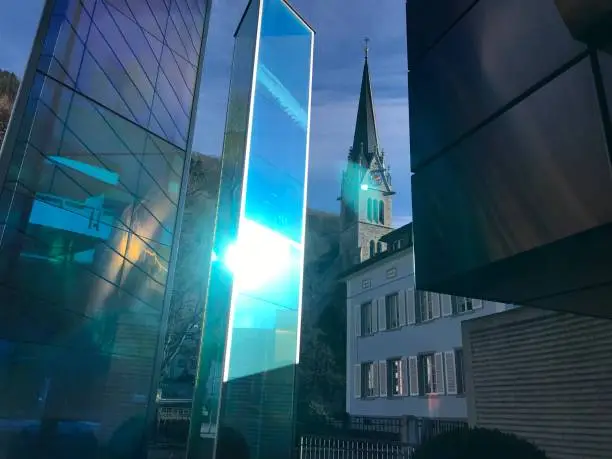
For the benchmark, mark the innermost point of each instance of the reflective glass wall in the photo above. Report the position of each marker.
(88, 216)
(254, 306)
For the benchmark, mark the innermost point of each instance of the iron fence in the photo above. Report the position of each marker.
(315, 447)
(430, 428)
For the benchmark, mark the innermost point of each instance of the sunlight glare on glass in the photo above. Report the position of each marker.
(364, 186)
(259, 257)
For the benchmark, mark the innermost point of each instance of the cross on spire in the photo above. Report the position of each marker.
(366, 46)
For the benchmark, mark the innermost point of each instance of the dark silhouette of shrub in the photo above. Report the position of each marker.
(478, 443)
(231, 444)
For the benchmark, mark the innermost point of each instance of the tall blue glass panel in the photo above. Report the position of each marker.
(253, 312)
(92, 176)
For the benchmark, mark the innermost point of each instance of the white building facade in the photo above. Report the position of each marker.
(404, 355)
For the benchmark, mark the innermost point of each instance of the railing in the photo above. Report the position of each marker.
(389, 426)
(315, 447)
(172, 425)
(430, 428)
(374, 438)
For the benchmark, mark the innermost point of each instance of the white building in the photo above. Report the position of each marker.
(404, 355)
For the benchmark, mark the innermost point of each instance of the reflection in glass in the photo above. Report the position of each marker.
(87, 225)
(254, 298)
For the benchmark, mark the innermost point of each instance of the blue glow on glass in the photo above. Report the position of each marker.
(98, 173)
(86, 218)
(259, 257)
(266, 259)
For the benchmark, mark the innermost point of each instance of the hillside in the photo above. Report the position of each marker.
(9, 84)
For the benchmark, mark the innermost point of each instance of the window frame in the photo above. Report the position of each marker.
(460, 370)
(460, 304)
(375, 210)
(425, 309)
(426, 387)
(367, 327)
(391, 372)
(396, 323)
(368, 379)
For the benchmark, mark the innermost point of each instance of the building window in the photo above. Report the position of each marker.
(379, 247)
(368, 379)
(366, 318)
(397, 244)
(392, 311)
(425, 306)
(375, 210)
(460, 371)
(372, 252)
(429, 374)
(381, 212)
(395, 377)
(369, 209)
(461, 304)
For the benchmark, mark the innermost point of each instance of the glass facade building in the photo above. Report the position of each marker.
(253, 310)
(510, 136)
(93, 177)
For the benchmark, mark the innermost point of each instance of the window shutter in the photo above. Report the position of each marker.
(374, 313)
(476, 304)
(382, 314)
(382, 376)
(439, 363)
(401, 305)
(435, 301)
(357, 380)
(376, 381)
(410, 307)
(357, 319)
(451, 372)
(413, 371)
(405, 380)
(447, 309)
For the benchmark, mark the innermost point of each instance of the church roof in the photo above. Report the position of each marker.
(365, 139)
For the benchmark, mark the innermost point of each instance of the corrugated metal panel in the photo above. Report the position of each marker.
(544, 376)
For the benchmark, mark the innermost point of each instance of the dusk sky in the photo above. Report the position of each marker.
(341, 26)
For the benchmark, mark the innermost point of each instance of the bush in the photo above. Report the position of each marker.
(478, 443)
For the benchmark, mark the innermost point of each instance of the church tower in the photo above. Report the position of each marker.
(366, 185)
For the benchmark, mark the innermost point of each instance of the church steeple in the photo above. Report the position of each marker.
(366, 194)
(365, 139)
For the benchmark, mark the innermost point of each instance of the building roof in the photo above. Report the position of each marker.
(365, 140)
(403, 232)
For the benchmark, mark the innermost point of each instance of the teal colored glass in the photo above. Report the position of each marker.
(215, 329)
(267, 290)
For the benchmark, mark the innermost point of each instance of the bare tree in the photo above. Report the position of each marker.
(195, 247)
(9, 84)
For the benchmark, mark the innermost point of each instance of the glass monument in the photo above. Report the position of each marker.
(250, 341)
(93, 175)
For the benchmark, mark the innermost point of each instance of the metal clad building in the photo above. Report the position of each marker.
(544, 376)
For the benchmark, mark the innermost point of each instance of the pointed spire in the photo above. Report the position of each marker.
(365, 140)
